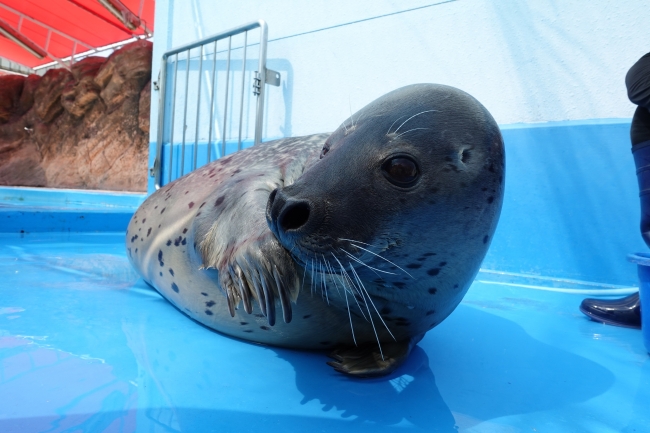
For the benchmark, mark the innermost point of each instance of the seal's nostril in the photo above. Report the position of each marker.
(272, 196)
(294, 216)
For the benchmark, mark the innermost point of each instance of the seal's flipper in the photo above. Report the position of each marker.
(236, 241)
(367, 361)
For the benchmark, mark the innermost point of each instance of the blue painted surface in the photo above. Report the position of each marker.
(85, 345)
(181, 159)
(64, 210)
(69, 198)
(571, 207)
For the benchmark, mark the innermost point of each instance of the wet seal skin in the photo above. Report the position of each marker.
(359, 241)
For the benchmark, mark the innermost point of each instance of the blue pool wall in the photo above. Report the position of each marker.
(25, 210)
(571, 207)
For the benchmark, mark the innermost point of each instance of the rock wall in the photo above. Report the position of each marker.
(85, 128)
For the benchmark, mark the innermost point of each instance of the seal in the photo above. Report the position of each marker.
(363, 239)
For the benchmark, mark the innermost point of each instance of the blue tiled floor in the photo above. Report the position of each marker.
(86, 346)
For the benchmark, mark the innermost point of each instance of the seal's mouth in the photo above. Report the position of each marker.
(346, 255)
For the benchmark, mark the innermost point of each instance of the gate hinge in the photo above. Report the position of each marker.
(272, 77)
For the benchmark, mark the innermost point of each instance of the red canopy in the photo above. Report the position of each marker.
(35, 32)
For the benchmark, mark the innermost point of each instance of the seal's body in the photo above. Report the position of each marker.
(364, 239)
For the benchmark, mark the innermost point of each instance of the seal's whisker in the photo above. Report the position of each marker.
(359, 242)
(373, 305)
(319, 284)
(349, 314)
(394, 122)
(312, 278)
(304, 274)
(331, 271)
(415, 115)
(372, 322)
(359, 119)
(414, 129)
(367, 266)
(352, 285)
(385, 259)
(355, 292)
(345, 277)
(324, 287)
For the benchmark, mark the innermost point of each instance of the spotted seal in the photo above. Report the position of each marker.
(364, 239)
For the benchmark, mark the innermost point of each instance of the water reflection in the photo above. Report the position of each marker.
(408, 396)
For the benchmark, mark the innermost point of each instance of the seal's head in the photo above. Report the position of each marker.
(405, 197)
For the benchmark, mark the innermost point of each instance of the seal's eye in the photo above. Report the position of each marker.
(401, 171)
(326, 148)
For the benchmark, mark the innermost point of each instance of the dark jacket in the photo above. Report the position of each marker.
(637, 81)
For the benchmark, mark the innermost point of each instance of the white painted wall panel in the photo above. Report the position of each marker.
(527, 61)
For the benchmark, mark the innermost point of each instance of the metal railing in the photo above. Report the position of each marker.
(226, 72)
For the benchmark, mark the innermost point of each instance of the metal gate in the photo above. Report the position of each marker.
(211, 100)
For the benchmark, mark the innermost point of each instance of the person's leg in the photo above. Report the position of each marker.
(641, 154)
(627, 311)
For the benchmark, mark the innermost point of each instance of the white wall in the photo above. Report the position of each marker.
(526, 61)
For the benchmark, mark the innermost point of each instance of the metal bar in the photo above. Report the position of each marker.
(259, 93)
(74, 49)
(21, 40)
(47, 41)
(198, 111)
(261, 67)
(122, 13)
(225, 109)
(92, 12)
(214, 91)
(243, 85)
(156, 170)
(187, 82)
(45, 26)
(90, 51)
(218, 36)
(171, 138)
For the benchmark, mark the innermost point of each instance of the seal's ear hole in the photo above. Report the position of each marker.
(326, 148)
(401, 171)
(465, 156)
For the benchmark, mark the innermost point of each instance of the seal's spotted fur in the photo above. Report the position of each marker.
(316, 228)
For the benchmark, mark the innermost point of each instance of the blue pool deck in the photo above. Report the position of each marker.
(87, 346)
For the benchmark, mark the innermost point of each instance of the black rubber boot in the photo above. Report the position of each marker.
(627, 311)
(618, 312)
